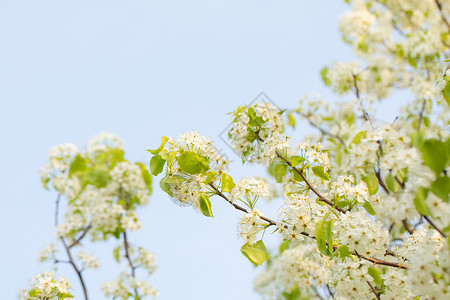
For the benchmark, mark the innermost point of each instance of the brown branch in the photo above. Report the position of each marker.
(381, 182)
(128, 257)
(407, 227)
(300, 172)
(271, 222)
(439, 6)
(323, 131)
(434, 226)
(83, 234)
(421, 115)
(69, 254)
(77, 270)
(373, 290)
(57, 209)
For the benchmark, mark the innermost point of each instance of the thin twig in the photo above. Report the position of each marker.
(69, 254)
(380, 181)
(407, 227)
(323, 131)
(439, 5)
(77, 270)
(128, 257)
(434, 226)
(310, 186)
(271, 222)
(422, 110)
(373, 290)
(57, 209)
(83, 234)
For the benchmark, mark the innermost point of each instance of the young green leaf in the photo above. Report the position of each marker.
(296, 160)
(192, 163)
(116, 254)
(256, 253)
(441, 188)
(205, 206)
(163, 142)
(165, 186)
(375, 274)
(446, 92)
(156, 164)
(434, 155)
(319, 171)
(78, 165)
(368, 207)
(392, 184)
(371, 182)
(279, 170)
(419, 201)
(227, 183)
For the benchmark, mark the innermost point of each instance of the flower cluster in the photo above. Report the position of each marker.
(120, 288)
(45, 286)
(192, 163)
(103, 191)
(256, 132)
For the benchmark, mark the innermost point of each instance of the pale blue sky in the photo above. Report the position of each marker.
(143, 69)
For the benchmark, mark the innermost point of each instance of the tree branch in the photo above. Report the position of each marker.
(83, 234)
(323, 131)
(439, 6)
(271, 222)
(128, 257)
(434, 226)
(77, 270)
(373, 290)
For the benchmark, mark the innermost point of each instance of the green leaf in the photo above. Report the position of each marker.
(419, 201)
(192, 163)
(324, 76)
(174, 179)
(297, 176)
(146, 176)
(320, 172)
(368, 207)
(227, 183)
(392, 184)
(256, 253)
(205, 206)
(163, 142)
(165, 186)
(209, 177)
(291, 119)
(157, 164)
(284, 246)
(375, 274)
(357, 139)
(446, 92)
(116, 254)
(434, 155)
(343, 251)
(324, 236)
(99, 176)
(293, 294)
(371, 182)
(296, 160)
(78, 165)
(417, 139)
(44, 182)
(441, 188)
(279, 170)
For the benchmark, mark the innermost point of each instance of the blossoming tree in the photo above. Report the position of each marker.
(366, 209)
(102, 191)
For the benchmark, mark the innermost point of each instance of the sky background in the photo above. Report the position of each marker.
(144, 69)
